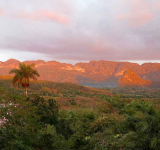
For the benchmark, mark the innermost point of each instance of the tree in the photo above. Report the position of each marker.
(23, 74)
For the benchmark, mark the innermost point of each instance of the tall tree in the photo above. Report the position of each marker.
(23, 75)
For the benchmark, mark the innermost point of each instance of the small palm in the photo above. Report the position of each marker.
(23, 75)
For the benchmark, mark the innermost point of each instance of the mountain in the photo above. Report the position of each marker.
(94, 74)
(131, 79)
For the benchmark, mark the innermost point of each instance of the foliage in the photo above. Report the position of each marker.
(114, 123)
(23, 74)
(27, 122)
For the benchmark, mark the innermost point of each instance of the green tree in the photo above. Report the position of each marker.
(23, 75)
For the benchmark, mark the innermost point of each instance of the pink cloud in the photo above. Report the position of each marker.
(100, 45)
(44, 14)
(1, 12)
(156, 6)
(138, 12)
(97, 46)
(137, 19)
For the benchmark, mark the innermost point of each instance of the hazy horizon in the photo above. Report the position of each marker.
(73, 63)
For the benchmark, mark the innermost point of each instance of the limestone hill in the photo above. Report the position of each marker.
(131, 79)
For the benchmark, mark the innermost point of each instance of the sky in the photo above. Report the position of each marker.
(80, 30)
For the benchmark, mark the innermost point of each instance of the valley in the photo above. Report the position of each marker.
(69, 116)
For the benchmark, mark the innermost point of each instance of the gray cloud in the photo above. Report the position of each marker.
(81, 30)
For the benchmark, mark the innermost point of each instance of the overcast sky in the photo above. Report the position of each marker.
(80, 30)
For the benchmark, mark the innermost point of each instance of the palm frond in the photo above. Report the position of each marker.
(23, 74)
(14, 71)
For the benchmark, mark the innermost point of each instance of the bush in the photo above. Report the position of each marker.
(36, 123)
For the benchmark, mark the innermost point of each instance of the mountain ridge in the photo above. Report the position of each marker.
(94, 73)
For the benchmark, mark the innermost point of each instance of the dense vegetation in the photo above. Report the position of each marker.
(70, 117)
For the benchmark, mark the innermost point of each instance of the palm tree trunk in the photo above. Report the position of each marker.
(26, 87)
(26, 91)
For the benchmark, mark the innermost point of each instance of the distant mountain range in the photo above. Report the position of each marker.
(94, 74)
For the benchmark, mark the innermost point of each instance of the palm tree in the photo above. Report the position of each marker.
(23, 74)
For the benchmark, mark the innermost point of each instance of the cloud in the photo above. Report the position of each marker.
(42, 15)
(1, 12)
(21, 55)
(137, 19)
(93, 31)
(156, 6)
(138, 12)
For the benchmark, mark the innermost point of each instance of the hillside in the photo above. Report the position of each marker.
(95, 73)
(76, 118)
(54, 88)
(131, 79)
